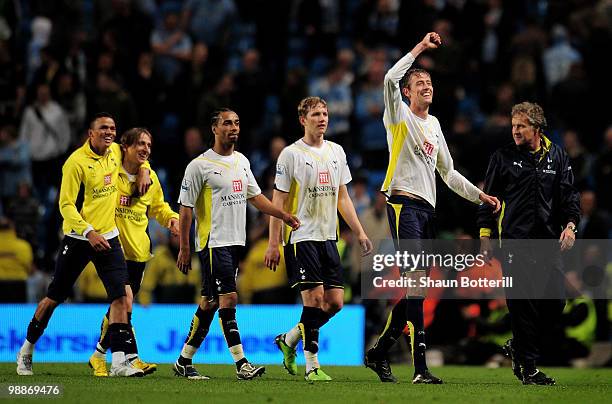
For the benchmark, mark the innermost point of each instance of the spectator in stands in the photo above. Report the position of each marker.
(603, 172)
(110, 97)
(580, 160)
(369, 106)
(333, 89)
(222, 94)
(210, 21)
(559, 56)
(15, 264)
(46, 130)
(72, 99)
(252, 83)
(197, 77)
(23, 209)
(595, 223)
(14, 163)
(148, 90)
(41, 32)
(171, 46)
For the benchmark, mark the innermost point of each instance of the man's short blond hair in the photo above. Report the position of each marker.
(309, 103)
(533, 112)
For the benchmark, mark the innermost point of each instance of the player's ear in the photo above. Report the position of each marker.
(406, 92)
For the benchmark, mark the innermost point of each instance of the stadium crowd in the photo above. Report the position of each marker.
(166, 65)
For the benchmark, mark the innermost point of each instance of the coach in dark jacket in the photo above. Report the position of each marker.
(534, 179)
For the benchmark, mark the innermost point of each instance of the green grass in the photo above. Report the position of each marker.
(350, 385)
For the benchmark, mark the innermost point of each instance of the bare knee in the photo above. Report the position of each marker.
(129, 298)
(229, 301)
(209, 305)
(313, 297)
(333, 307)
(45, 309)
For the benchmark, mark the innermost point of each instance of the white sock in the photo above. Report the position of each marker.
(118, 358)
(100, 349)
(312, 361)
(131, 356)
(188, 351)
(27, 348)
(293, 336)
(236, 352)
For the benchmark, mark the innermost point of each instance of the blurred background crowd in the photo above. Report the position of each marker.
(166, 65)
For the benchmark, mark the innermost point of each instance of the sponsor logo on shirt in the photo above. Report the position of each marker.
(281, 169)
(107, 179)
(237, 185)
(421, 153)
(125, 200)
(324, 177)
(428, 148)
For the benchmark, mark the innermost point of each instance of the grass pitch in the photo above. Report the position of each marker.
(350, 385)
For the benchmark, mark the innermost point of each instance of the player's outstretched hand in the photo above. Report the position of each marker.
(183, 262)
(291, 220)
(98, 242)
(366, 246)
(432, 40)
(272, 257)
(490, 200)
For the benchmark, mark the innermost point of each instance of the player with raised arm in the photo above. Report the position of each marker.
(217, 186)
(417, 149)
(311, 178)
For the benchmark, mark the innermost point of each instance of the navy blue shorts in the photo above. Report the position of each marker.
(411, 220)
(313, 263)
(219, 270)
(72, 259)
(135, 274)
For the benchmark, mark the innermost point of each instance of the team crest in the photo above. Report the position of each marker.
(125, 200)
(324, 177)
(107, 179)
(428, 148)
(237, 185)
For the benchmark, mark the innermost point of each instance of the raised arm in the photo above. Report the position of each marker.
(392, 91)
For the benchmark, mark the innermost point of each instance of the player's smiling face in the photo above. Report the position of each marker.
(227, 128)
(140, 151)
(420, 90)
(316, 120)
(102, 134)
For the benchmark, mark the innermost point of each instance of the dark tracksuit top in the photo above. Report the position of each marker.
(536, 190)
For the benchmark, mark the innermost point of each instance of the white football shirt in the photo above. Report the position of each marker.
(417, 147)
(217, 187)
(312, 177)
